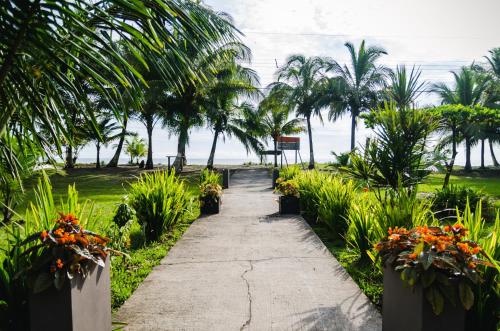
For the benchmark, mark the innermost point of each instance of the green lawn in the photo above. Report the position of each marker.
(488, 182)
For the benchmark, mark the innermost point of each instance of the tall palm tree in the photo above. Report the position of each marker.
(357, 84)
(224, 115)
(274, 122)
(468, 90)
(300, 85)
(404, 88)
(186, 106)
(135, 148)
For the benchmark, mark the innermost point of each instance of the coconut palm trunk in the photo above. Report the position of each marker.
(449, 167)
(495, 162)
(353, 130)
(210, 163)
(482, 154)
(468, 165)
(69, 164)
(149, 129)
(113, 163)
(275, 140)
(98, 159)
(311, 151)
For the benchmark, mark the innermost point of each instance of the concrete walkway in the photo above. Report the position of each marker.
(249, 269)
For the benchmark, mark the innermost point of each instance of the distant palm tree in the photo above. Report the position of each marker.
(104, 132)
(300, 85)
(224, 115)
(274, 122)
(357, 84)
(135, 148)
(404, 89)
(468, 90)
(493, 95)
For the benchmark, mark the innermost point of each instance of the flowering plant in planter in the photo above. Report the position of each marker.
(287, 187)
(66, 250)
(210, 190)
(440, 259)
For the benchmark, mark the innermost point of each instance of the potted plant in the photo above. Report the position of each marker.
(210, 192)
(428, 277)
(289, 200)
(70, 278)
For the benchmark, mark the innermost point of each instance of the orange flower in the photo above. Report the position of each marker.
(413, 256)
(476, 250)
(471, 265)
(463, 247)
(394, 236)
(365, 189)
(447, 228)
(59, 264)
(44, 235)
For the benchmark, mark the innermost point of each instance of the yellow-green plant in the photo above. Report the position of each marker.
(309, 183)
(210, 184)
(289, 172)
(160, 201)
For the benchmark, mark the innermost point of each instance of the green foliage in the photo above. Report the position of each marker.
(123, 214)
(210, 177)
(289, 172)
(398, 156)
(447, 199)
(309, 183)
(160, 201)
(364, 229)
(335, 197)
(342, 159)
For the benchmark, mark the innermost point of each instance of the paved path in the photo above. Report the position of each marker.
(249, 269)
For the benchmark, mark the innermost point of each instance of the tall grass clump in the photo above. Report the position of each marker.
(310, 182)
(335, 196)
(290, 172)
(160, 201)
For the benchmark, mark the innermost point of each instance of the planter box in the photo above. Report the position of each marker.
(289, 204)
(276, 175)
(210, 206)
(226, 176)
(407, 309)
(82, 305)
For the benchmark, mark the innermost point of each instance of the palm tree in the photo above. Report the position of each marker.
(468, 90)
(357, 85)
(224, 115)
(102, 134)
(493, 95)
(274, 122)
(404, 88)
(300, 85)
(186, 106)
(136, 148)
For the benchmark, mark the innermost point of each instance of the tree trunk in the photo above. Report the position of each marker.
(210, 163)
(449, 167)
(149, 129)
(275, 152)
(113, 163)
(69, 164)
(468, 165)
(98, 161)
(353, 131)
(311, 151)
(180, 159)
(482, 154)
(495, 162)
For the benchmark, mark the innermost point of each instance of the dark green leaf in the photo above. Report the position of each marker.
(436, 299)
(42, 282)
(466, 295)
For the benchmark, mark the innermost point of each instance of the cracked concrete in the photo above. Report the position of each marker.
(248, 268)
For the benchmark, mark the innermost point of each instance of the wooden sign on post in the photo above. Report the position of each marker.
(288, 143)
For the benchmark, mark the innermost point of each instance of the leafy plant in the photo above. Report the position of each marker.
(123, 214)
(160, 200)
(440, 259)
(452, 197)
(335, 197)
(289, 172)
(309, 183)
(287, 187)
(342, 159)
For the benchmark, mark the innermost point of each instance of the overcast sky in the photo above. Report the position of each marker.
(438, 36)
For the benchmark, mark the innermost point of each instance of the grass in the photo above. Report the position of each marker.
(488, 182)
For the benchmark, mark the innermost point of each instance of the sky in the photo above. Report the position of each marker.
(436, 35)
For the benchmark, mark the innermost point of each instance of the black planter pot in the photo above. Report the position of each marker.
(276, 175)
(289, 204)
(81, 305)
(407, 309)
(226, 176)
(210, 205)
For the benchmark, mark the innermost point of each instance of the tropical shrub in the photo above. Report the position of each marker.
(287, 187)
(123, 214)
(449, 198)
(210, 177)
(364, 230)
(160, 200)
(342, 159)
(309, 183)
(442, 260)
